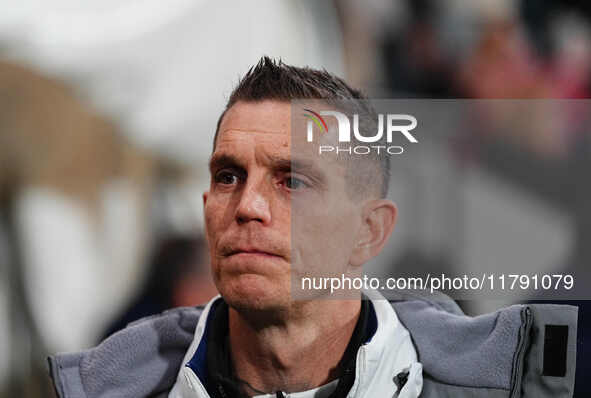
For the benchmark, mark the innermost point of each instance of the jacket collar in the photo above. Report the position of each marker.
(379, 361)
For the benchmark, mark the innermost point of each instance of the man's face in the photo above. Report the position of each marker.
(255, 193)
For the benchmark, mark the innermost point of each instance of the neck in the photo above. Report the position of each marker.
(293, 353)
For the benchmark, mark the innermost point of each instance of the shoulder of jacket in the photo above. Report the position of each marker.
(154, 345)
(497, 353)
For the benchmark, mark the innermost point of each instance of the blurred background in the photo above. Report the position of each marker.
(106, 121)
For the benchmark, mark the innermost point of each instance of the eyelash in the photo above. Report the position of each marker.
(304, 183)
(220, 175)
(224, 173)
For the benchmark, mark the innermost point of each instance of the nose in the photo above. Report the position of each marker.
(254, 203)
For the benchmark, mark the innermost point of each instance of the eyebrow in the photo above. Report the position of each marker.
(299, 165)
(219, 161)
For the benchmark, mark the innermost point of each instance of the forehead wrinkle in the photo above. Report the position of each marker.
(233, 134)
(238, 149)
(274, 156)
(252, 131)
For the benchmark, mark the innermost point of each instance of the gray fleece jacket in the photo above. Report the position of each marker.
(519, 351)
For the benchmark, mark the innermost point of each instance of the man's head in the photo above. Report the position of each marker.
(258, 187)
(276, 81)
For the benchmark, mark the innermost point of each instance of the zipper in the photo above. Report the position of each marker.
(221, 391)
(524, 332)
(400, 379)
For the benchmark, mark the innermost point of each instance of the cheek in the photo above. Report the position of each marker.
(216, 213)
(209, 224)
(213, 226)
(323, 239)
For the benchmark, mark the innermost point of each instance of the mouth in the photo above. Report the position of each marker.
(251, 252)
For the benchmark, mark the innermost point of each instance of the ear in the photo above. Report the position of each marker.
(377, 224)
(205, 194)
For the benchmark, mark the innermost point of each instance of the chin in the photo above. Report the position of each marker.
(252, 292)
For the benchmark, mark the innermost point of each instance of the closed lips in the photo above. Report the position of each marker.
(251, 251)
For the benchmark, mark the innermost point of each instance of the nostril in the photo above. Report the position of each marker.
(253, 207)
(243, 220)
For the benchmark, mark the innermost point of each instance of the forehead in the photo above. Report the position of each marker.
(263, 130)
(272, 121)
(253, 130)
(264, 120)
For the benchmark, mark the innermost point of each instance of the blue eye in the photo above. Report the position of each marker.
(295, 183)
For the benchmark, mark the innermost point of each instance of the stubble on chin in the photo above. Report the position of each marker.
(268, 306)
